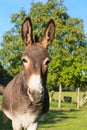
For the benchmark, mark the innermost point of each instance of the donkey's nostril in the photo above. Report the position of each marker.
(30, 92)
(42, 91)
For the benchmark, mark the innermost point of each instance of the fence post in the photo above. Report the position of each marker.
(60, 96)
(78, 97)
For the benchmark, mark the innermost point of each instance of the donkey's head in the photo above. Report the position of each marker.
(35, 58)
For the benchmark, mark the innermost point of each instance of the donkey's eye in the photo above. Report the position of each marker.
(46, 61)
(24, 60)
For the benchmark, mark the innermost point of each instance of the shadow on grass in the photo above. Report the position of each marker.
(52, 117)
(55, 117)
(3, 126)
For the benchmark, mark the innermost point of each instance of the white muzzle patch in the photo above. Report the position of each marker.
(35, 86)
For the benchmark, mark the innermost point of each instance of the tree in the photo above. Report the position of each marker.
(69, 65)
(69, 50)
(4, 76)
(12, 46)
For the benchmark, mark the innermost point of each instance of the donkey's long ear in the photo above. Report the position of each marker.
(48, 34)
(27, 31)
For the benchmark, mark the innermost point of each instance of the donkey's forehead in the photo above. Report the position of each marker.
(35, 51)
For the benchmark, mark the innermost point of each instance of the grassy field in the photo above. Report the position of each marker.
(68, 118)
(0, 99)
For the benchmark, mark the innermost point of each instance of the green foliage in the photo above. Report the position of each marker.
(12, 46)
(68, 51)
(4, 76)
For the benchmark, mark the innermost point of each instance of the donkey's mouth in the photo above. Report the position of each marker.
(36, 96)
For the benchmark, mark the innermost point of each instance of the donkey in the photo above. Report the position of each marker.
(26, 97)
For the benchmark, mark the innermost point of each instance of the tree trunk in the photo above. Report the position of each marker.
(60, 95)
(78, 97)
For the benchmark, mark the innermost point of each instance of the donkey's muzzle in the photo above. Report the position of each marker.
(36, 96)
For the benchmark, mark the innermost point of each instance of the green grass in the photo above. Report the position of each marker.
(64, 105)
(65, 120)
(71, 94)
(68, 118)
(0, 99)
(59, 120)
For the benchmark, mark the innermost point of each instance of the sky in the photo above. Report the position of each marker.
(75, 8)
